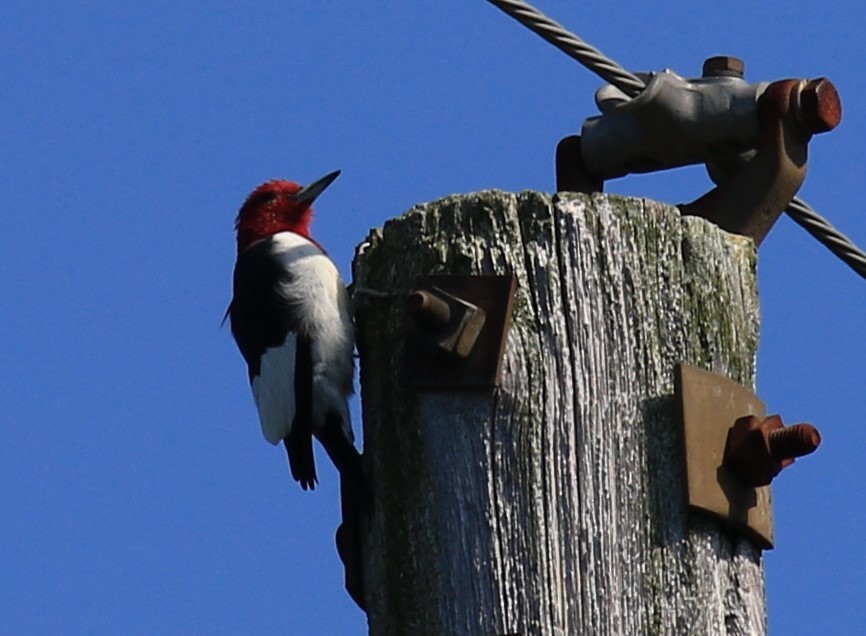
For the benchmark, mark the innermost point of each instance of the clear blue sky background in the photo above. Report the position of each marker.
(136, 493)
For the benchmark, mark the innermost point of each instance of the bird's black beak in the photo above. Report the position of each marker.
(309, 193)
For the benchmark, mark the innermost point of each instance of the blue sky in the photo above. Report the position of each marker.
(138, 496)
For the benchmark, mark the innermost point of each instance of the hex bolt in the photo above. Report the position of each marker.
(724, 66)
(758, 449)
(793, 441)
(429, 309)
(819, 109)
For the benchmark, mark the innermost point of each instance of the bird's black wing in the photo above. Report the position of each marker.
(260, 317)
(263, 319)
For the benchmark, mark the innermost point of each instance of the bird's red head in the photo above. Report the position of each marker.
(278, 206)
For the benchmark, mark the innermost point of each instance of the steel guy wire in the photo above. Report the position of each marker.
(571, 45)
(819, 227)
(630, 84)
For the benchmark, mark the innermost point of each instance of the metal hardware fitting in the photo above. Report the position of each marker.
(707, 405)
(732, 451)
(432, 310)
(753, 138)
(754, 189)
(673, 122)
(724, 66)
(456, 338)
(758, 449)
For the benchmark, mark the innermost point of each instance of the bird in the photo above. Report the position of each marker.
(290, 318)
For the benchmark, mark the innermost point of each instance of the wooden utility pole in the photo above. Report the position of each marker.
(555, 504)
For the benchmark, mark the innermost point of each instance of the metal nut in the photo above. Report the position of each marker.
(724, 66)
(820, 107)
(757, 450)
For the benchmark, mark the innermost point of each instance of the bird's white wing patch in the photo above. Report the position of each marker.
(274, 390)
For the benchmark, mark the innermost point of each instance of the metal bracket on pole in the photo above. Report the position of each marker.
(457, 336)
(751, 196)
(753, 138)
(733, 452)
(708, 406)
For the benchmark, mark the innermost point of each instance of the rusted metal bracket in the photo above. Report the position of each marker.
(750, 197)
(456, 338)
(708, 405)
(732, 451)
(753, 139)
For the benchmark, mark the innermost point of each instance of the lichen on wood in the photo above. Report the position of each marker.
(555, 504)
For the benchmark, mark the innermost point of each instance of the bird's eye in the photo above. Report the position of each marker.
(267, 197)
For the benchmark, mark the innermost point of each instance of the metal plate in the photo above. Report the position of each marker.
(427, 366)
(709, 404)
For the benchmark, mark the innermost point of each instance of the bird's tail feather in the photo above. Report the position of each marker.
(299, 443)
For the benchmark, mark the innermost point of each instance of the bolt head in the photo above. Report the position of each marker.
(724, 66)
(820, 106)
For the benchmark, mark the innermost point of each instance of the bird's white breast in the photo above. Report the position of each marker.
(315, 288)
(317, 296)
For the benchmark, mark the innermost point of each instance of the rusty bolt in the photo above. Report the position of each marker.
(794, 441)
(820, 108)
(757, 450)
(724, 66)
(452, 323)
(429, 309)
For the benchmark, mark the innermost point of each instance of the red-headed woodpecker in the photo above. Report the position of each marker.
(290, 319)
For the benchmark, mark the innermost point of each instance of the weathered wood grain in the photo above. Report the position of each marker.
(555, 505)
